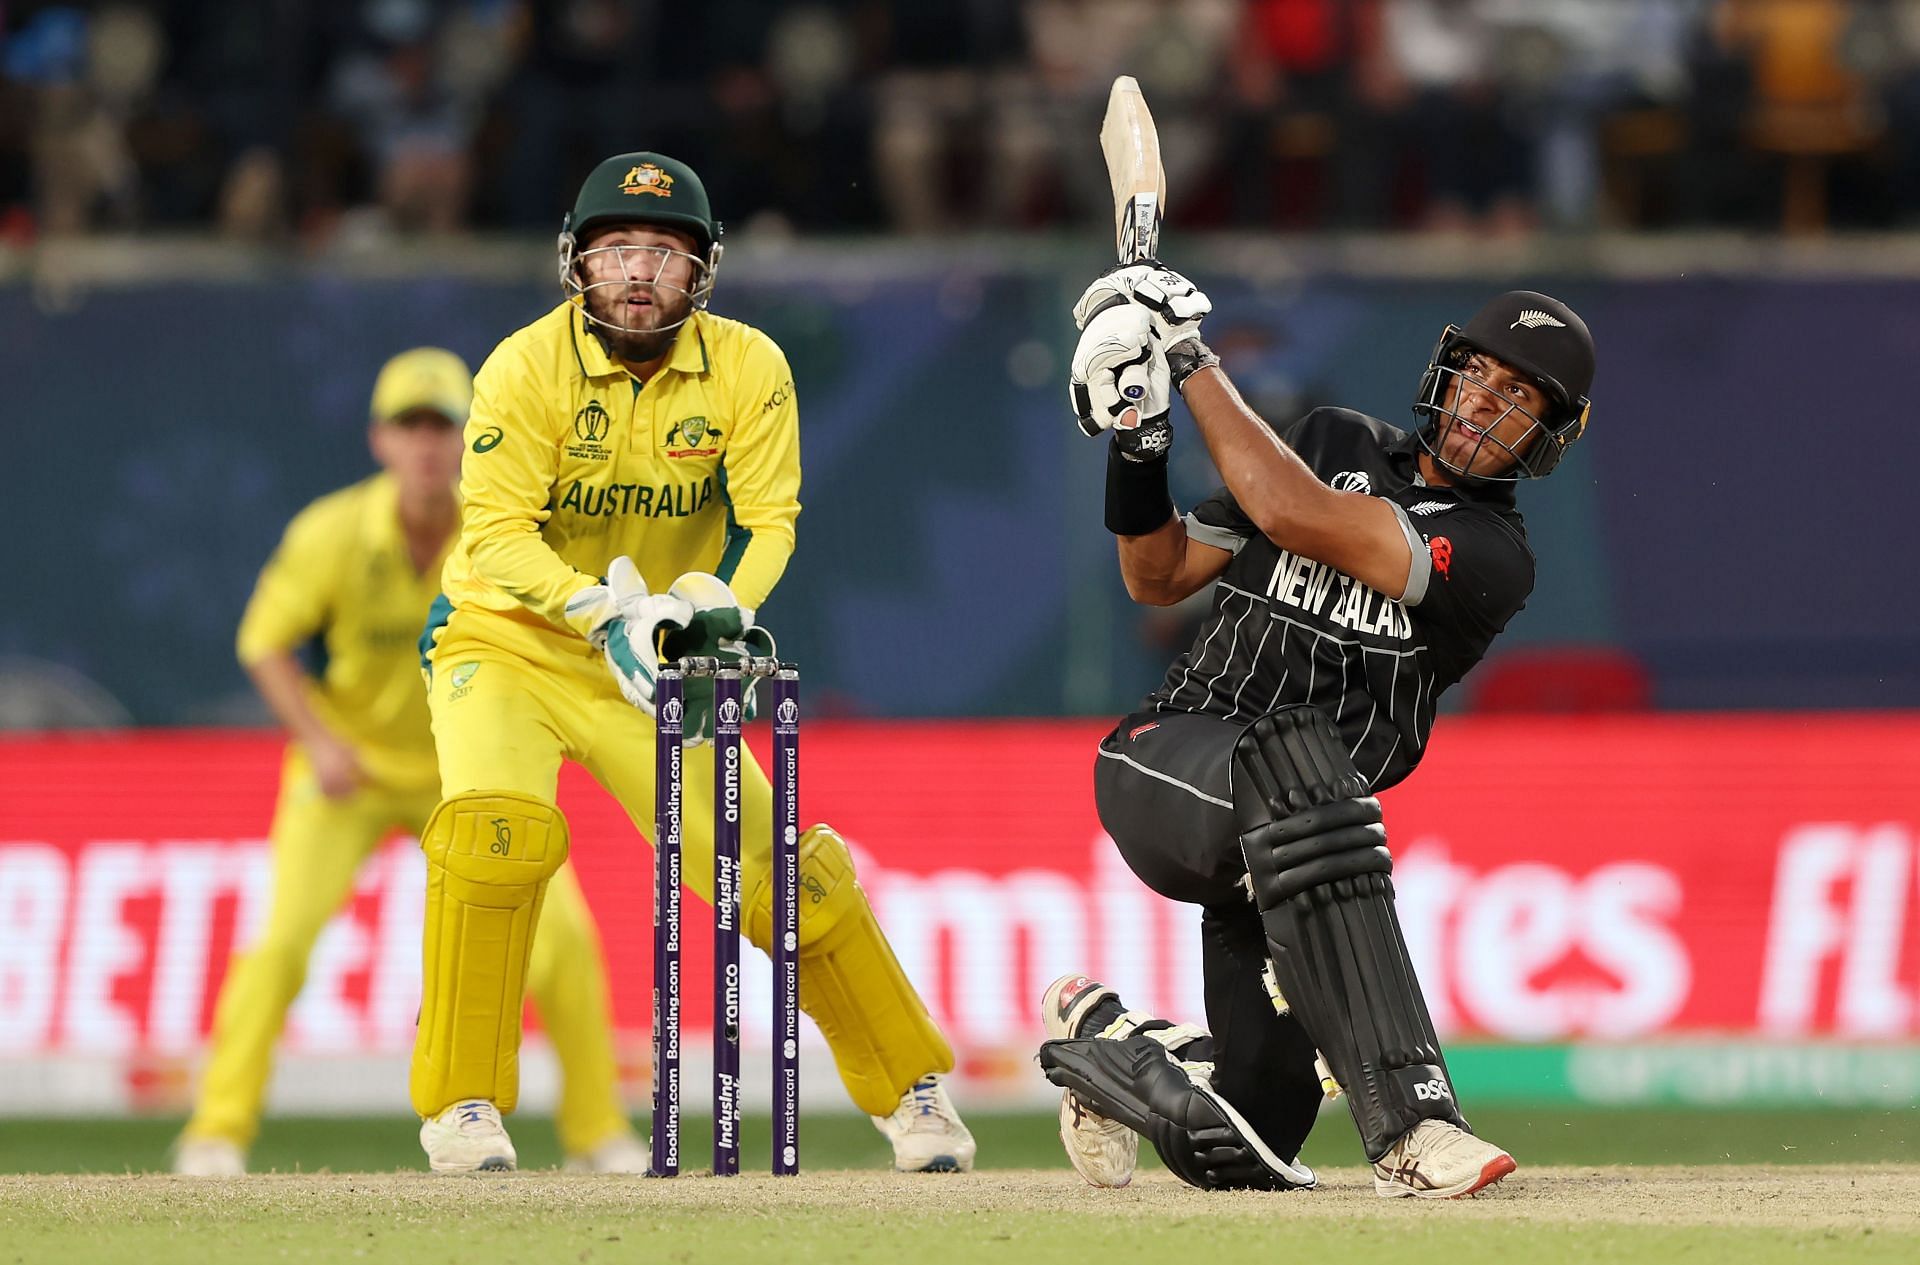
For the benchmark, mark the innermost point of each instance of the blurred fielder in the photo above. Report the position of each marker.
(632, 470)
(357, 570)
(1360, 572)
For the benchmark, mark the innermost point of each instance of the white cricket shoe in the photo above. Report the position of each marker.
(1104, 1152)
(621, 1153)
(468, 1138)
(1439, 1160)
(928, 1135)
(209, 1157)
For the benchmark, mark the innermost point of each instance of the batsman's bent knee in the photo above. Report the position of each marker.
(489, 856)
(882, 1037)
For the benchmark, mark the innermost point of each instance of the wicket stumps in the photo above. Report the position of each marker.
(729, 681)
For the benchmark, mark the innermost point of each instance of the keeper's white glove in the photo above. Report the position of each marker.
(720, 628)
(1119, 381)
(1176, 304)
(625, 623)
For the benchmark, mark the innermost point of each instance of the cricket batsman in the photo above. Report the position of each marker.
(632, 461)
(356, 570)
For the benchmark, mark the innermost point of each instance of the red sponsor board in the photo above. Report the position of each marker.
(1558, 879)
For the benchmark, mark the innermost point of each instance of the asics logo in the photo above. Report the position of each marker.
(1533, 318)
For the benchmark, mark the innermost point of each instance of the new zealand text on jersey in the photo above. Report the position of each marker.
(1307, 585)
(668, 500)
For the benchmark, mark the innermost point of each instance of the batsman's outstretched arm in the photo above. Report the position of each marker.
(1350, 531)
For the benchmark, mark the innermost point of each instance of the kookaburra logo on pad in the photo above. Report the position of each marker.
(1533, 318)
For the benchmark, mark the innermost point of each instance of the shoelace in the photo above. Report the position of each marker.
(924, 1098)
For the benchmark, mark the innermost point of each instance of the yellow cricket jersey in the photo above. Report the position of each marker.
(342, 573)
(572, 462)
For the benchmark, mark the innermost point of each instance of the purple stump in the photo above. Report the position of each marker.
(786, 921)
(670, 710)
(727, 715)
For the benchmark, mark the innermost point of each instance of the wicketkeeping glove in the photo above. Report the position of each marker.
(1119, 381)
(626, 623)
(720, 628)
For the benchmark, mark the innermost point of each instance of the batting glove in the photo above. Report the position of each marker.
(1119, 382)
(1176, 303)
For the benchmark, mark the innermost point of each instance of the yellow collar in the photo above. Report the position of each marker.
(689, 354)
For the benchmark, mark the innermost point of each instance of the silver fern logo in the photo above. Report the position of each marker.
(1429, 507)
(1534, 318)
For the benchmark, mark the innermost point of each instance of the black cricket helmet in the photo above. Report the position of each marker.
(1536, 335)
(642, 188)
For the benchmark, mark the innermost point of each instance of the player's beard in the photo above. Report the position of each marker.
(671, 308)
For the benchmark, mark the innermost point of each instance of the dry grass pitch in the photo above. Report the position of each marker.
(1587, 1214)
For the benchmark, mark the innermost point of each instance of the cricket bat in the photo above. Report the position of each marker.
(1132, 148)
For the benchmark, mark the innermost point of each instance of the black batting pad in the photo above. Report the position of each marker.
(1321, 877)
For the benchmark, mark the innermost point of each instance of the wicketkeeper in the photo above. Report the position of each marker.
(356, 572)
(632, 470)
(1359, 571)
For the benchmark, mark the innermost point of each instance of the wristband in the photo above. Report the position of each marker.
(1187, 358)
(1138, 501)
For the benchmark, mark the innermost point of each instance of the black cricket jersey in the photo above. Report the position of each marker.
(1286, 630)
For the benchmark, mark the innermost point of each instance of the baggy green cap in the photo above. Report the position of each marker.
(645, 188)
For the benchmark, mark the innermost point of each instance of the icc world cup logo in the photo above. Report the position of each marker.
(672, 712)
(592, 423)
(789, 711)
(730, 712)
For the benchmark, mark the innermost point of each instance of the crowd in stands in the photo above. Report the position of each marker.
(301, 120)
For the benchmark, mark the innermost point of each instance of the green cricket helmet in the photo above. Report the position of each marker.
(642, 188)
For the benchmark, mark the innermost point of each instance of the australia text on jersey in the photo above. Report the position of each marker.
(667, 500)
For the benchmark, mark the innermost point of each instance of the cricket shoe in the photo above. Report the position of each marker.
(468, 1138)
(928, 1135)
(1143, 1084)
(1104, 1152)
(209, 1157)
(1439, 1160)
(621, 1153)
